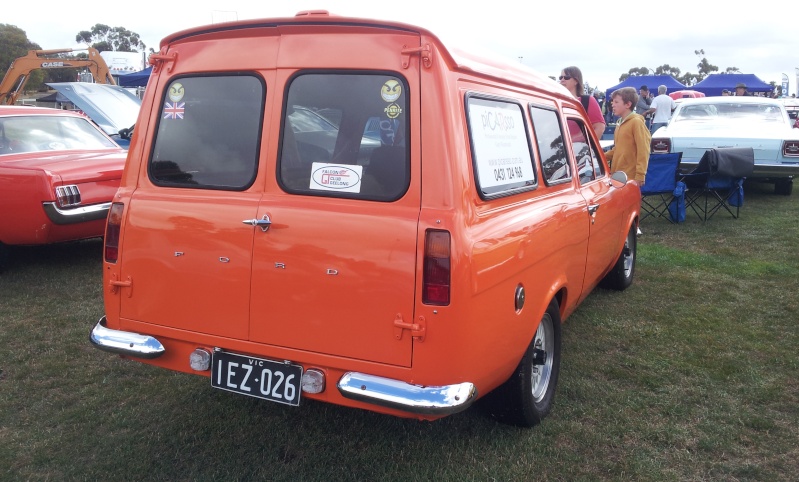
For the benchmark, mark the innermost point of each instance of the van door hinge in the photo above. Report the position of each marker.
(114, 285)
(425, 52)
(158, 61)
(417, 329)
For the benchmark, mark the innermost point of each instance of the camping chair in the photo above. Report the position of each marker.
(662, 187)
(717, 181)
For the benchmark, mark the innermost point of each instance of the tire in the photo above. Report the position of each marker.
(783, 187)
(527, 397)
(621, 276)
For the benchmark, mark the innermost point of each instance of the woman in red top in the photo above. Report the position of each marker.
(572, 79)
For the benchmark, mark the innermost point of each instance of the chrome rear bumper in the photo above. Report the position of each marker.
(386, 392)
(125, 342)
(76, 215)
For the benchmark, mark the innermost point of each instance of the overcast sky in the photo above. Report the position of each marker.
(604, 39)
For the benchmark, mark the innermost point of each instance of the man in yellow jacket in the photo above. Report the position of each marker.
(630, 151)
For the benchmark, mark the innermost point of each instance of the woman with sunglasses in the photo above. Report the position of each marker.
(572, 79)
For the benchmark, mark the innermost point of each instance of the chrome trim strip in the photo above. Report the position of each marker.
(440, 400)
(125, 342)
(76, 215)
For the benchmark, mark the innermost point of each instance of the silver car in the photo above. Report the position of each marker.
(757, 122)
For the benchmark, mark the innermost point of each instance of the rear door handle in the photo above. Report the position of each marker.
(262, 223)
(592, 209)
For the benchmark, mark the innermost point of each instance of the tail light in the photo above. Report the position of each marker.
(660, 146)
(790, 148)
(436, 276)
(112, 232)
(67, 196)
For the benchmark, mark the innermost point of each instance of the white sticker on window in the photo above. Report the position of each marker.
(336, 177)
(502, 154)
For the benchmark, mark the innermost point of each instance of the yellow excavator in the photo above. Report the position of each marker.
(18, 73)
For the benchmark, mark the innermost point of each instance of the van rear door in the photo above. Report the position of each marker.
(186, 250)
(335, 269)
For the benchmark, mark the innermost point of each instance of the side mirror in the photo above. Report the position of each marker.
(618, 179)
(127, 132)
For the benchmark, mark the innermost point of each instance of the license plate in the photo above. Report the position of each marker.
(256, 377)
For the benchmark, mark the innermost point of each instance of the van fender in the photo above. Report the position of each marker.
(558, 290)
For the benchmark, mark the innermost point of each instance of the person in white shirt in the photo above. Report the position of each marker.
(662, 106)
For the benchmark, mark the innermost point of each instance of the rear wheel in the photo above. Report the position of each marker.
(527, 397)
(621, 276)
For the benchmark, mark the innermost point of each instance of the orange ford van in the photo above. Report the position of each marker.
(346, 210)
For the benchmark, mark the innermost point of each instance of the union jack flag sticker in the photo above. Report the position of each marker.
(174, 110)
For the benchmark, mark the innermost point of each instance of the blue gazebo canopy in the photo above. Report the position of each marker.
(715, 83)
(136, 79)
(651, 81)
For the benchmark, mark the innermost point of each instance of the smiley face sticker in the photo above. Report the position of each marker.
(175, 92)
(391, 90)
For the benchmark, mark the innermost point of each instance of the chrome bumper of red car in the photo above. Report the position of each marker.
(386, 392)
(76, 215)
(125, 342)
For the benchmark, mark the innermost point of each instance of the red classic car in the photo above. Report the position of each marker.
(58, 173)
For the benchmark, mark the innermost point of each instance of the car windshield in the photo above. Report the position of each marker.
(753, 112)
(49, 133)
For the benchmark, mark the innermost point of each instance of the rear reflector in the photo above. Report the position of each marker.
(436, 275)
(112, 232)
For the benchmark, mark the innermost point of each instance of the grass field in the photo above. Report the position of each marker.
(690, 375)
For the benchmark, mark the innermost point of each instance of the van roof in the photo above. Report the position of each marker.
(461, 60)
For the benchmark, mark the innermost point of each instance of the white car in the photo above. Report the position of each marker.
(111, 107)
(760, 123)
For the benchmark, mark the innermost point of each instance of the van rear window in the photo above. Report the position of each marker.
(208, 133)
(345, 135)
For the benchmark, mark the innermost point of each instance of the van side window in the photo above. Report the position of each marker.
(345, 135)
(588, 165)
(500, 145)
(209, 132)
(554, 160)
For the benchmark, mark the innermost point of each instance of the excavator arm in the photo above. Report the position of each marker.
(18, 73)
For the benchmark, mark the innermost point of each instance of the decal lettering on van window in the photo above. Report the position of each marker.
(393, 111)
(336, 177)
(499, 143)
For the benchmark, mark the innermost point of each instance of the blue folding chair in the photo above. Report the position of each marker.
(717, 181)
(662, 188)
